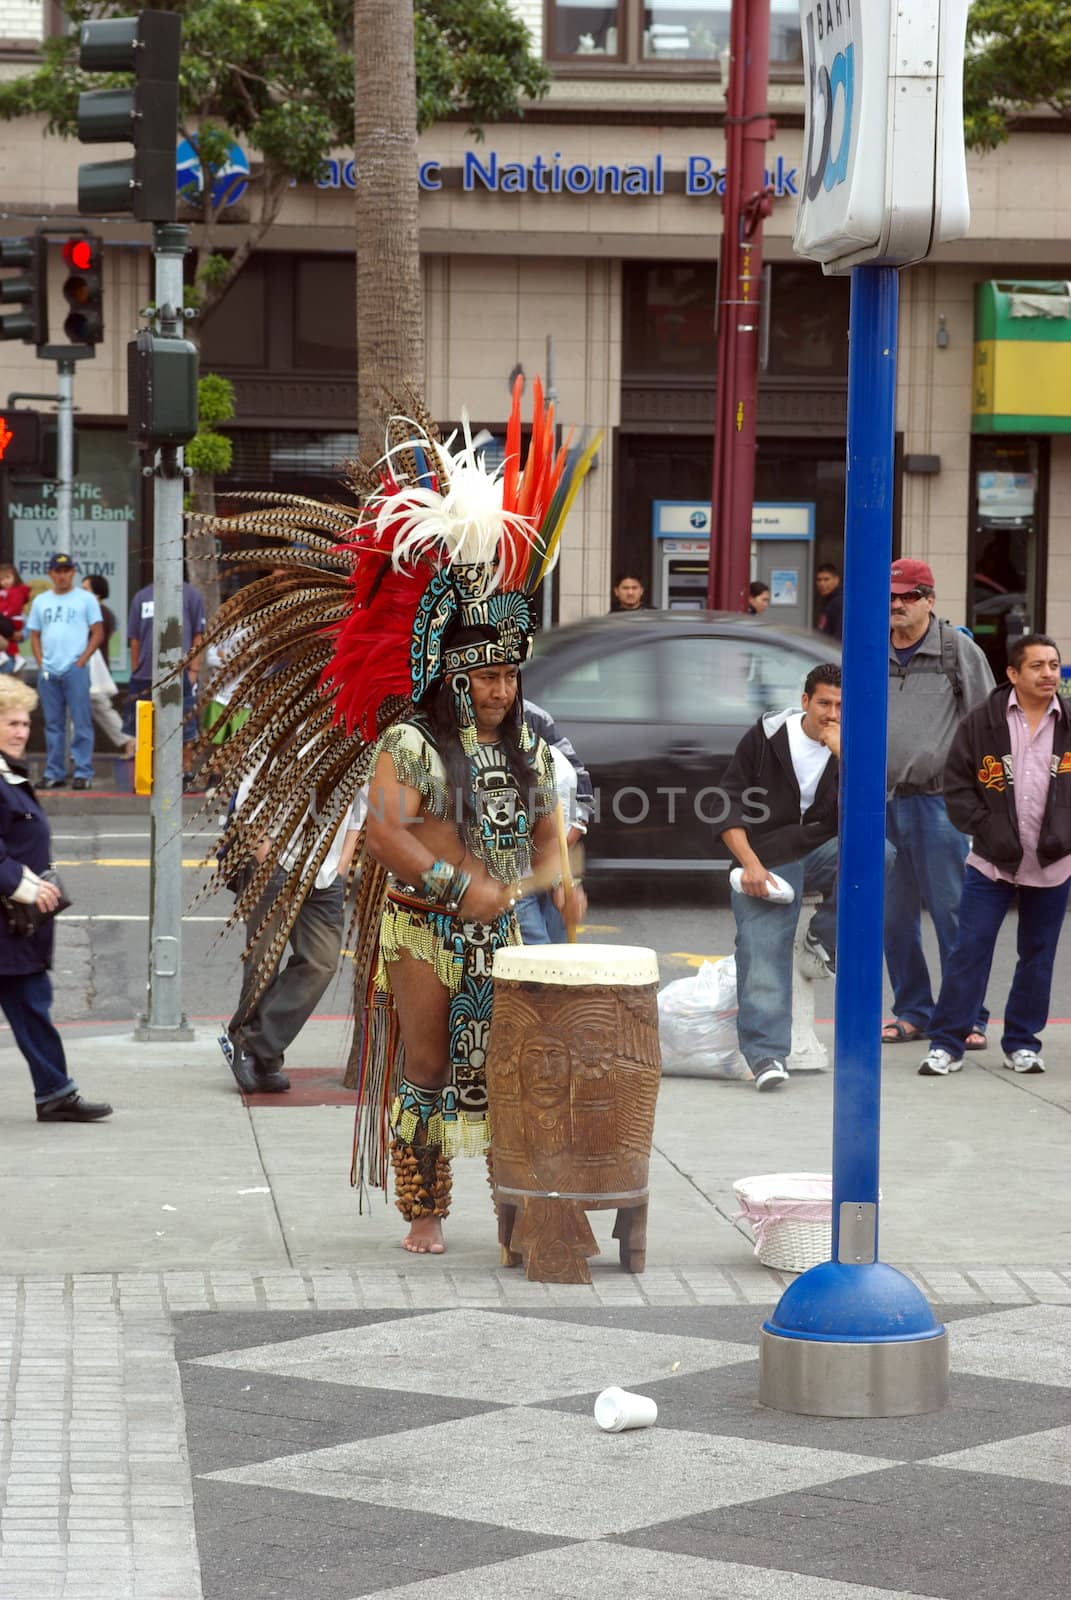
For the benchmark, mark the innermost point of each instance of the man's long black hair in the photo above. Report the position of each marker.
(440, 709)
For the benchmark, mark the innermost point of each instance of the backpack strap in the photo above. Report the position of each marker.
(950, 656)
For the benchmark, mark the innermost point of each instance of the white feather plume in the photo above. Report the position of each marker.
(465, 523)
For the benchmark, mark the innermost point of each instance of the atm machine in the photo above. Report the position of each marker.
(782, 555)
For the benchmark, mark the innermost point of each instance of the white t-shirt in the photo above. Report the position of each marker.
(808, 760)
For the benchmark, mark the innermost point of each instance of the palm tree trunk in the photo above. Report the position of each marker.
(390, 305)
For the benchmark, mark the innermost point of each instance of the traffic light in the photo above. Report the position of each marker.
(29, 290)
(150, 46)
(83, 289)
(20, 439)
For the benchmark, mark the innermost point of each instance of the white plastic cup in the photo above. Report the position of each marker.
(617, 1409)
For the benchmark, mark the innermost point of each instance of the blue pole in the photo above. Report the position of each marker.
(855, 1299)
(875, 305)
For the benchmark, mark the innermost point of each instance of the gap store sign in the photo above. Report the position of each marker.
(553, 174)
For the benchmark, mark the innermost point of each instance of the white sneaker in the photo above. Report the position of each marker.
(1024, 1061)
(770, 1074)
(938, 1064)
(814, 960)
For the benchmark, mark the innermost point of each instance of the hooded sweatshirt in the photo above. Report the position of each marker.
(763, 794)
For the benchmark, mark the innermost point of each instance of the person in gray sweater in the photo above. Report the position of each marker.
(937, 674)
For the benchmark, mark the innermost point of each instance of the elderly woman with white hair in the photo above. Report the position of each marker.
(26, 943)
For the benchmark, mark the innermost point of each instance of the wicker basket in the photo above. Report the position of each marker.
(791, 1216)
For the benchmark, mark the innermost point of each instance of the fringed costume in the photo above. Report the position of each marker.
(343, 648)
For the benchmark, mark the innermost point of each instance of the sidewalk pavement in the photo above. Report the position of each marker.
(225, 1383)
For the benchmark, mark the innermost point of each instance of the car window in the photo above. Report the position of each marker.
(714, 679)
(618, 685)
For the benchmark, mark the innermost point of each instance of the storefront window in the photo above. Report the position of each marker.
(808, 323)
(669, 319)
(1006, 545)
(580, 28)
(684, 30)
(661, 31)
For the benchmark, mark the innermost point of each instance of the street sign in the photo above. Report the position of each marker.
(885, 170)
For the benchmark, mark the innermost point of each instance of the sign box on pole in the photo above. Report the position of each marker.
(884, 176)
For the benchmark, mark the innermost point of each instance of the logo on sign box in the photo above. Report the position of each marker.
(832, 98)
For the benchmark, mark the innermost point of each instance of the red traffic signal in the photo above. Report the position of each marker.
(20, 439)
(84, 289)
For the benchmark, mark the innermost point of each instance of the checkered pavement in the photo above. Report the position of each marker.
(451, 1454)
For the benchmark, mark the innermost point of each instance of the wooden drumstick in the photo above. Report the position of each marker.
(567, 875)
(547, 875)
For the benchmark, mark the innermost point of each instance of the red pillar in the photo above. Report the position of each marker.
(744, 205)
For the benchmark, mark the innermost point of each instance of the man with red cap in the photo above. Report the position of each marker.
(937, 674)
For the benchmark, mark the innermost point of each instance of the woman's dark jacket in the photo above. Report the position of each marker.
(979, 786)
(25, 841)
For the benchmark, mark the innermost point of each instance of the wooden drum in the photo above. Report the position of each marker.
(573, 1067)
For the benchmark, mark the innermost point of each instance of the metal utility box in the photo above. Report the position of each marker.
(161, 390)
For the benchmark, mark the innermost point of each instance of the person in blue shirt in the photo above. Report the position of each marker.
(65, 628)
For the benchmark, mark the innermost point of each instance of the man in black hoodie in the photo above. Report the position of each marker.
(1007, 783)
(785, 772)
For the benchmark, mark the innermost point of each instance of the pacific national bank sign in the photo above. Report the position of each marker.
(553, 174)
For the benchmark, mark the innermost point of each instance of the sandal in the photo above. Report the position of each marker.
(975, 1040)
(897, 1032)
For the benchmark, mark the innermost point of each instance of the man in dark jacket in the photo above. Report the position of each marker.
(781, 788)
(1007, 783)
(830, 617)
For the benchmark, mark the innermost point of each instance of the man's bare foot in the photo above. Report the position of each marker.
(425, 1237)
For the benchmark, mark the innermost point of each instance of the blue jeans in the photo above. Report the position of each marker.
(764, 938)
(7, 664)
(982, 910)
(930, 855)
(26, 1001)
(61, 694)
(539, 919)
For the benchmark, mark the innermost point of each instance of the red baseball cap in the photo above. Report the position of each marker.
(908, 575)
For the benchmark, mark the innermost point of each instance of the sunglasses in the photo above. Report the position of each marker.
(911, 596)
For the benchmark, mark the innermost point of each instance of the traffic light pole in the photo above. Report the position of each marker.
(64, 454)
(165, 1019)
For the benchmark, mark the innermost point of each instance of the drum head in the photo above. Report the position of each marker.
(624, 965)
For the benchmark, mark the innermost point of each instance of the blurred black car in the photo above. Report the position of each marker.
(655, 703)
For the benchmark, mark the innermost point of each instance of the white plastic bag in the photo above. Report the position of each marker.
(697, 1024)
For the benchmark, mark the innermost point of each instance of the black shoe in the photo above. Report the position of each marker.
(252, 1076)
(82, 783)
(53, 783)
(769, 1074)
(72, 1108)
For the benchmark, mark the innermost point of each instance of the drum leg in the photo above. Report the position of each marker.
(630, 1231)
(555, 1238)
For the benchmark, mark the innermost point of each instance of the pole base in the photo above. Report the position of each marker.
(146, 1032)
(816, 1378)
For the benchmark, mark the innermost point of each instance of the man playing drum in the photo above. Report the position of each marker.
(388, 653)
(458, 833)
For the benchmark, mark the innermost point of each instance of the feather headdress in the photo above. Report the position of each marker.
(352, 626)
